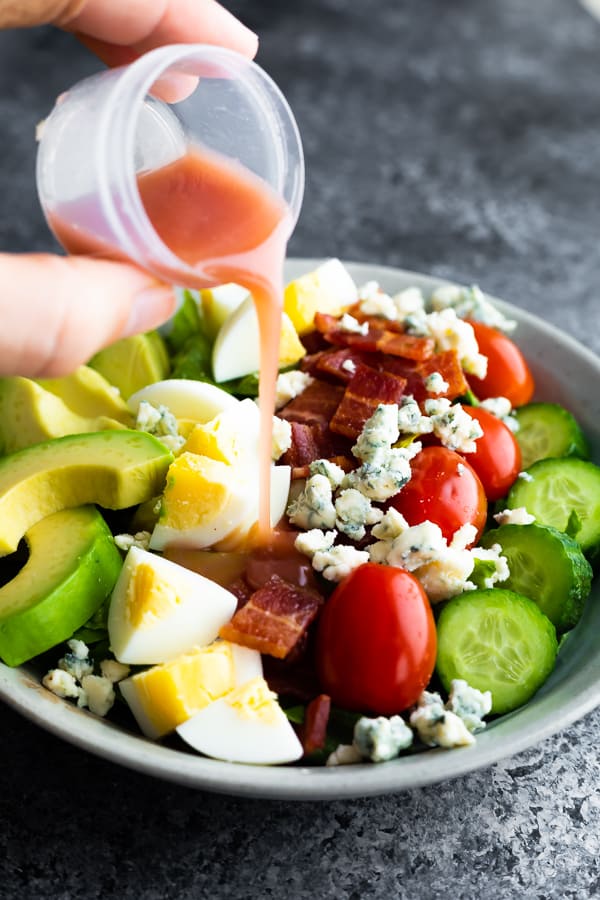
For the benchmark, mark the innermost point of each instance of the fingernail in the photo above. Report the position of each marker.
(151, 307)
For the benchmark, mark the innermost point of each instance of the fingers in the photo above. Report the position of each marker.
(120, 31)
(56, 312)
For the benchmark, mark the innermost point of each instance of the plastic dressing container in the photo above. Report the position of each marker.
(187, 162)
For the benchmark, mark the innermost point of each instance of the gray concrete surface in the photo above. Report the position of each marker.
(458, 138)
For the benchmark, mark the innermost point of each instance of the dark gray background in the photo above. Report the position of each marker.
(456, 137)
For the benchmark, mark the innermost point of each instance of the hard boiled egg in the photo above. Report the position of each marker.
(211, 498)
(245, 726)
(328, 289)
(218, 304)
(196, 401)
(158, 610)
(165, 696)
(236, 351)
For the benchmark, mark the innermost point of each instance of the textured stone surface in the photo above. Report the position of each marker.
(461, 139)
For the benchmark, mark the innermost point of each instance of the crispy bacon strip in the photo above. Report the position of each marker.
(314, 728)
(448, 365)
(405, 345)
(367, 389)
(274, 619)
(310, 441)
(381, 336)
(316, 404)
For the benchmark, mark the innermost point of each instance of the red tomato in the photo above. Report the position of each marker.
(508, 374)
(376, 641)
(443, 489)
(497, 459)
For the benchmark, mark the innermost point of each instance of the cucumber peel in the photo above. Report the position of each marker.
(563, 493)
(547, 566)
(498, 641)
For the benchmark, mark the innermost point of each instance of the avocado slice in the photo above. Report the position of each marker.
(115, 469)
(29, 414)
(73, 565)
(133, 362)
(88, 393)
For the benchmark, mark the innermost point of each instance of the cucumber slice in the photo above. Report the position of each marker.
(548, 429)
(561, 493)
(548, 567)
(496, 641)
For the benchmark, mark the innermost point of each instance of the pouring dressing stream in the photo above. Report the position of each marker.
(168, 188)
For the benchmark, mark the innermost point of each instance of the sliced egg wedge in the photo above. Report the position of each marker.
(208, 503)
(197, 401)
(231, 436)
(158, 610)
(328, 289)
(218, 304)
(164, 696)
(236, 351)
(245, 726)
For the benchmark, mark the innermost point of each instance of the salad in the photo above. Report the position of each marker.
(434, 527)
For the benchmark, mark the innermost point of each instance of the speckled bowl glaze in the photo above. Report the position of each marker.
(565, 372)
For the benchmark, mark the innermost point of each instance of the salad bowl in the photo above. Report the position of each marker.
(564, 372)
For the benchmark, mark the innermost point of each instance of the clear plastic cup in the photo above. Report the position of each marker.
(110, 127)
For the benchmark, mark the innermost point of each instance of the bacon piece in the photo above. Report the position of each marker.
(314, 727)
(367, 389)
(310, 441)
(317, 403)
(448, 365)
(407, 346)
(314, 342)
(382, 336)
(342, 363)
(274, 619)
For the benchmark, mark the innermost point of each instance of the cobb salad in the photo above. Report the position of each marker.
(434, 528)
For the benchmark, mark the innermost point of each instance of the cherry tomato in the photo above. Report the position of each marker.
(376, 641)
(508, 374)
(497, 459)
(443, 489)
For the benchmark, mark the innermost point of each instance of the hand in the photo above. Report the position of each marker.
(56, 312)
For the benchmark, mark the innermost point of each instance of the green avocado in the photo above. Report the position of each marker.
(73, 565)
(30, 414)
(87, 393)
(115, 469)
(132, 363)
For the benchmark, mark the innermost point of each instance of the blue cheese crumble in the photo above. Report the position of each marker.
(379, 432)
(141, 540)
(469, 704)
(160, 422)
(436, 384)
(449, 725)
(338, 561)
(451, 333)
(453, 425)
(501, 407)
(73, 679)
(289, 385)
(334, 473)
(410, 418)
(354, 511)
(313, 507)
(516, 516)
(470, 303)
(381, 739)
(352, 325)
(438, 726)
(281, 437)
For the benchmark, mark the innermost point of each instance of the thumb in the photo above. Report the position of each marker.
(56, 312)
